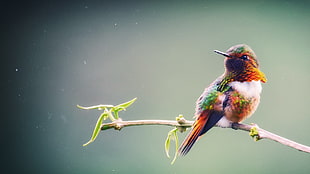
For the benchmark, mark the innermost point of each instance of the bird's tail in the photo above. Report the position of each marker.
(197, 130)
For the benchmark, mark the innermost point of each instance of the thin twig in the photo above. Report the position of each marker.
(182, 124)
(119, 124)
(263, 134)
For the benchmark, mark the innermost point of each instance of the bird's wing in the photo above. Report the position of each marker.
(205, 121)
(209, 112)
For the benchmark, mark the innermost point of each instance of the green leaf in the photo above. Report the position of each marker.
(108, 113)
(176, 139)
(127, 104)
(99, 107)
(97, 128)
(172, 135)
(167, 144)
(121, 107)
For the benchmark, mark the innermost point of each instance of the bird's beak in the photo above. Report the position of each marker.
(222, 53)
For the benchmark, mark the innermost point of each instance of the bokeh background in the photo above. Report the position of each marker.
(56, 55)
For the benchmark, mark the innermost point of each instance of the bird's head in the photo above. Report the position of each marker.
(241, 62)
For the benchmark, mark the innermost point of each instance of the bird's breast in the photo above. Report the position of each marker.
(247, 89)
(242, 100)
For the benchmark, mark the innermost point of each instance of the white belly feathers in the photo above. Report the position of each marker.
(247, 89)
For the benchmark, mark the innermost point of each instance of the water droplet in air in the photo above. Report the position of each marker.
(115, 25)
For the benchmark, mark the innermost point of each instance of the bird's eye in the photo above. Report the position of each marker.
(244, 57)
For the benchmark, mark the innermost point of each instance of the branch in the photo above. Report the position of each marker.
(259, 133)
(111, 112)
(256, 132)
(119, 124)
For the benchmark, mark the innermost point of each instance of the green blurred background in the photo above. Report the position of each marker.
(60, 54)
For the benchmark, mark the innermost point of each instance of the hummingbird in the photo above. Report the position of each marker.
(231, 98)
